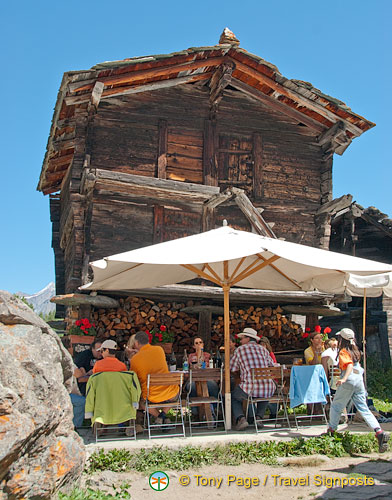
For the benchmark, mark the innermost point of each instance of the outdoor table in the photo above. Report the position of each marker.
(202, 391)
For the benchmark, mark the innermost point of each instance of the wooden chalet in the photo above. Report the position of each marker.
(366, 233)
(153, 148)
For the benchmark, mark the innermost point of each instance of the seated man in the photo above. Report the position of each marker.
(85, 361)
(151, 359)
(109, 363)
(247, 356)
(78, 401)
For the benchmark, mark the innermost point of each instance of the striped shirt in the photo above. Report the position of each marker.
(246, 357)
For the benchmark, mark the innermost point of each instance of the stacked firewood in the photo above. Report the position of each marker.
(137, 314)
(268, 321)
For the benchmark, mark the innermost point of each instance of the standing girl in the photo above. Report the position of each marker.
(350, 386)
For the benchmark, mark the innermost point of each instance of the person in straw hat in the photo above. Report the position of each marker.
(250, 354)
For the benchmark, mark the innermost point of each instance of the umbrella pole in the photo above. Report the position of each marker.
(226, 305)
(364, 334)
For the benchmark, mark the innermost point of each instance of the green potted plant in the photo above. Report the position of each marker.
(161, 336)
(82, 332)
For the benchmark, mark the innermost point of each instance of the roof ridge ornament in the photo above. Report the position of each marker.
(228, 36)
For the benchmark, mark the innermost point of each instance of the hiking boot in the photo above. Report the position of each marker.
(242, 424)
(382, 438)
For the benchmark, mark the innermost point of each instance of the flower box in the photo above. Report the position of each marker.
(79, 343)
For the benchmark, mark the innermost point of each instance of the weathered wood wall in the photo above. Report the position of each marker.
(170, 134)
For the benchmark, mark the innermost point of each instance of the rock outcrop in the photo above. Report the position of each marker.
(39, 450)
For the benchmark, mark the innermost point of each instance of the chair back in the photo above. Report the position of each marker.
(215, 374)
(171, 378)
(267, 373)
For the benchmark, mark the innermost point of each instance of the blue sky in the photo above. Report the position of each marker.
(343, 48)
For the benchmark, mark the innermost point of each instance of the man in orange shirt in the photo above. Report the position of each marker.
(109, 363)
(151, 359)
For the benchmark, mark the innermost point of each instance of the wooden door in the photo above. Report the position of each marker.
(235, 162)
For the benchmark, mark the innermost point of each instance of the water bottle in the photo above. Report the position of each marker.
(203, 361)
(211, 363)
(185, 364)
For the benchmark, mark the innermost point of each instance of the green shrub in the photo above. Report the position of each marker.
(120, 493)
(379, 381)
(266, 452)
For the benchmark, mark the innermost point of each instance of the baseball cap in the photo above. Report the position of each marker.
(346, 333)
(108, 344)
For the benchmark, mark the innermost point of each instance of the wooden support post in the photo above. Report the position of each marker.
(311, 321)
(204, 331)
(157, 236)
(258, 188)
(162, 149)
(210, 175)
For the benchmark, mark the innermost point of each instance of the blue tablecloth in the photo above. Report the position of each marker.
(308, 384)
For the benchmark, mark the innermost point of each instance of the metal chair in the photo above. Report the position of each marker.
(274, 373)
(310, 416)
(165, 379)
(204, 400)
(102, 401)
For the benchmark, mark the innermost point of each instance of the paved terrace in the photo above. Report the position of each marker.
(214, 438)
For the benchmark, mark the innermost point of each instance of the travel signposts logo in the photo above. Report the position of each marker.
(158, 481)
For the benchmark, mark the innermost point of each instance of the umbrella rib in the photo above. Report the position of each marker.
(244, 275)
(237, 267)
(207, 266)
(280, 272)
(201, 273)
(234, 278)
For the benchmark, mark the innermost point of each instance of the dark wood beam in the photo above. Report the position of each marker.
(162, 149)
(277, 106)
(210, 174)
(219, 81)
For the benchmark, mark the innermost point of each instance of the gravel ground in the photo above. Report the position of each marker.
(303, 477)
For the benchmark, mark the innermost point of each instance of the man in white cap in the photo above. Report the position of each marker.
(250, 355)
(109, 363)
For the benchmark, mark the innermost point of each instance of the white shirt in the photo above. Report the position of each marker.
(333, 360)
(331, 353)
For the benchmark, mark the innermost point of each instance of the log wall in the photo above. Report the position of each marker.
(137, 313)
(170, 134)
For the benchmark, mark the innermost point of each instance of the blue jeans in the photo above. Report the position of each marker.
(78, 403)
(354, 389)
(237, 397)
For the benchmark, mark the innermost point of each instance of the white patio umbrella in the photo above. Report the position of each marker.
(228, 257)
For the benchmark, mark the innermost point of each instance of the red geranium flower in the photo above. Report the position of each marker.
(305, 335)
(317, 328)
(162, 328)
(307, 329)
(327, 330)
